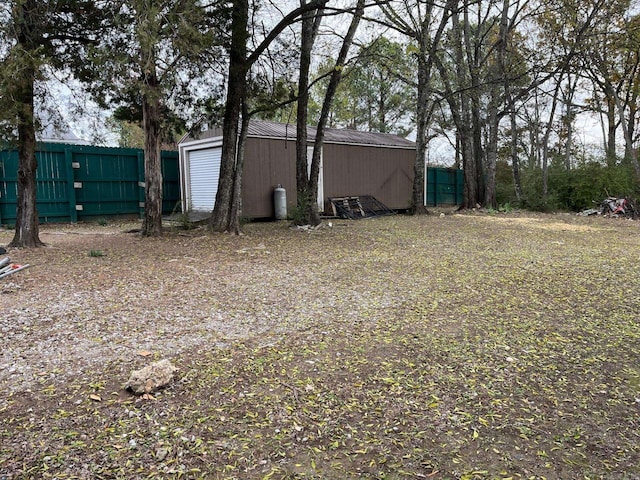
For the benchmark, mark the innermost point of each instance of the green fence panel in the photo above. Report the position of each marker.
(459, 187)
(171, 182)
(141, 184)
(51, 187)
(71, 186)
(8, 181)
(52, 192)
(82, 182)
(106, 182)
(444, 186)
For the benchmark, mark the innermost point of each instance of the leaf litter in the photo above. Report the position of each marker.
(464, 346)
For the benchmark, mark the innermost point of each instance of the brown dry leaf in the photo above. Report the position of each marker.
(145, 353)
(95, 398)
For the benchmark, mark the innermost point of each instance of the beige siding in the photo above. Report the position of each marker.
(385, 173)
(268, 163)
(354, 163)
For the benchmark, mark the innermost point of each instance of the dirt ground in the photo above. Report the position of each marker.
(472, 346)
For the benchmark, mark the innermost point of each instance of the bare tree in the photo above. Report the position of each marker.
(424, 23)
(311, 21)
(225, 216)
(612, 63)
(334, 80)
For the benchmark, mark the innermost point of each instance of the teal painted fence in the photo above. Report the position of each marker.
(76, 182)
(444, 186)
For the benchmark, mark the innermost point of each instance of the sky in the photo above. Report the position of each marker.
(80, 115)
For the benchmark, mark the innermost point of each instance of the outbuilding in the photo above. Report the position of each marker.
(353, 164)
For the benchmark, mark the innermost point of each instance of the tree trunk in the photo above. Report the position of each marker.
(499, 87)
(628, 136)
(569, 145)
(535, 137)
(236, 87)
(418, 206)
(458, 101)
(492, 150)
(474, 171)
(631, 127)
(312, 211)
(383, 93)
(151, 123)
(517, 184)
(611, 131)
(305, 194)
(429, 44)
(545, 142)
(478, 150)
(568, 101)
(239, 65)
(470, 197)
(458, 152)
(27, 227)
(236, 203)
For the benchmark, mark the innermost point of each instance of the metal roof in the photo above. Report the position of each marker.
(287, 131)
(64, 134)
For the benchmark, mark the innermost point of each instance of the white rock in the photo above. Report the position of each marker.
(151, 378)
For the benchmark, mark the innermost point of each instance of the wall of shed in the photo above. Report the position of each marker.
(349, 170)
(268, 163)
(385, 173)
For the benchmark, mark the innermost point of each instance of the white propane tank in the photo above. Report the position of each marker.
(280, 202)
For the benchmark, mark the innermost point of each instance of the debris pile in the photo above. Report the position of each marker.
(614, 207)
(7, 268)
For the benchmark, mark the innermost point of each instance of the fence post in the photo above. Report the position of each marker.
(71, 184)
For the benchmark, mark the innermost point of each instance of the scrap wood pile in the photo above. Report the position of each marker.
(7, 268)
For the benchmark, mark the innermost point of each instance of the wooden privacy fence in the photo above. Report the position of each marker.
(77, 182)
(444, 186)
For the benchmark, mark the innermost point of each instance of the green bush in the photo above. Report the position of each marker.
(577, 189)
(505, 189)
(532, 198)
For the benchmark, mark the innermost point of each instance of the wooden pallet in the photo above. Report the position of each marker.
(358, 207)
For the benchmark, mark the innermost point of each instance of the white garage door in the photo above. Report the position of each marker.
(204, 171)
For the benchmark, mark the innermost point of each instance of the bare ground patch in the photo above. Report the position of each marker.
(464, 346)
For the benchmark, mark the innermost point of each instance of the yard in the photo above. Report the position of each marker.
(445, 347)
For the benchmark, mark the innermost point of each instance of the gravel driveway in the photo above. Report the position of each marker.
(95, 296)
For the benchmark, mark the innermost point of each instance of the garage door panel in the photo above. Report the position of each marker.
(204, 172)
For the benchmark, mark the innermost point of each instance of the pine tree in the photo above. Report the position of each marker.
(36, 34)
